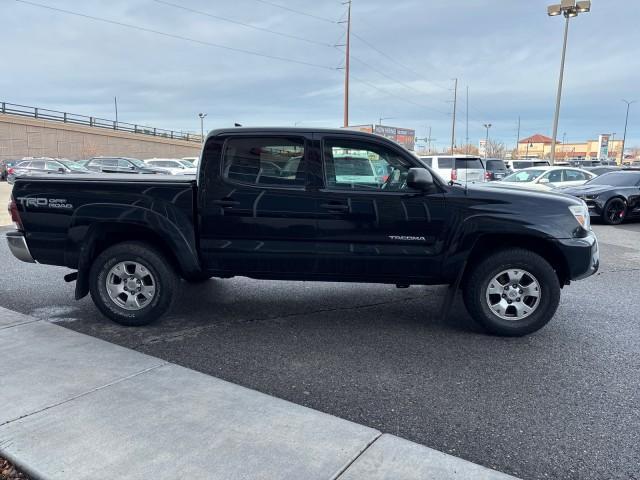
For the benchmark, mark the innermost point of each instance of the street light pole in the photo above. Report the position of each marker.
(202, 115)
(626, 122)
(568, 8)
(486, 141)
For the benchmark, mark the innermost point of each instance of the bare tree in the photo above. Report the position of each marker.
(496, 149)
(463, 150)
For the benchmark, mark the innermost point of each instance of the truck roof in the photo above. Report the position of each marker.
(110, 177)
(294, 130)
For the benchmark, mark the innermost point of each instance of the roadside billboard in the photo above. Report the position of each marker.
(603, 142)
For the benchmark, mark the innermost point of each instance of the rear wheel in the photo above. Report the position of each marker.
(615, 211)
(132, 283)
(512, 293)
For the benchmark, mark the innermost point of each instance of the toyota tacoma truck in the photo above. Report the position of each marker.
(305, 204)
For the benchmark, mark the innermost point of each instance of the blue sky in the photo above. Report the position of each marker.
(506, 51)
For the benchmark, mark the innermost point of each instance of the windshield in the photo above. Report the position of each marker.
(523, 176)
(187, 163)
(462, 163)
(617, 179)
(496, 165)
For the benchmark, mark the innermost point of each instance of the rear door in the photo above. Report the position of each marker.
(371, 226)
(469, 169)
(257, 218)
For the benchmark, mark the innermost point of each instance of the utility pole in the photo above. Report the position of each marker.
(626, 122)
(346, 67)
(467, 127)
(202, 115)
(429, 140)
(453, 124)
(115, 101)
(486, 141)
(518, 139)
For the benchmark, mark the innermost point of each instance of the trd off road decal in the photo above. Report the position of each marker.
(44, 202)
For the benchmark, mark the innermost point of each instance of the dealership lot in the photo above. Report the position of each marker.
(562, 403)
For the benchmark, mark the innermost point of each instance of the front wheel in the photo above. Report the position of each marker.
(512, 293)
(132, 283)
(614, 212)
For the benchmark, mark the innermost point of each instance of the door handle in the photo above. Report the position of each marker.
(226, 203)
(335, 206)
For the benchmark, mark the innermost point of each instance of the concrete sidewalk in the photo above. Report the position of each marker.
(73, 406)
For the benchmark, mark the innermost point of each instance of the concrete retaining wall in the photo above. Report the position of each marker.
(28, 137)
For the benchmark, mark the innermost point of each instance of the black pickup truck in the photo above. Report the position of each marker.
(300, 204)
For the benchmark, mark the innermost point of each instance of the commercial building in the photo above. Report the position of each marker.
(404, 136)
(539, 146)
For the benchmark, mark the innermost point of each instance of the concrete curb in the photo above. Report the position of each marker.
(73, 406)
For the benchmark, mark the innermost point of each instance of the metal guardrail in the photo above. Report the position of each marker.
(64, 117)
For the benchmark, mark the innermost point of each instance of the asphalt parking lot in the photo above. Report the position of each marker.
(561, 403)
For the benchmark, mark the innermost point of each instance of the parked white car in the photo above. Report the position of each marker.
(173, 166)
(545, 178)
(456, 168)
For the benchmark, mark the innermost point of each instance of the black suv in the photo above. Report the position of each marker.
(495, 169)
(120, 165)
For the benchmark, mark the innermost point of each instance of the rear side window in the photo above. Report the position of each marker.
(267, 161)
(445, 163)
(575, 176)
(427, 161)
(496, 165)
(462, 163)
(38, 164)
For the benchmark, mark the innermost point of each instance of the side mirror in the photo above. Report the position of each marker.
(544, 180)
(61, 170)
(131, 167)
(419, 179)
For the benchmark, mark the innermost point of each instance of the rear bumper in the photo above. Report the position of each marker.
(18, 246)
(582, 254)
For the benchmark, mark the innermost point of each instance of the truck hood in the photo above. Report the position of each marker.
(512, 194)
(586, 189)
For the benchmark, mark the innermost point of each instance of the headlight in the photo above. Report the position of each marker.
(581, 214)
(591, 197)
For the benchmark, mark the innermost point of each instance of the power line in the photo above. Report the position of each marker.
(247, 25)
(174, 36)
(392, 94)
(389, 57)
(399, 82)
(299, 12)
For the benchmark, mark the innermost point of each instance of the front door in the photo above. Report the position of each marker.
(371, 226)
(256, 216)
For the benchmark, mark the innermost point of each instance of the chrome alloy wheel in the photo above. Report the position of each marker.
(130, 285)
(513, 294)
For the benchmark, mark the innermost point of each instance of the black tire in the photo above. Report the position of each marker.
(160, 275)
(479, 280)
(614, 212)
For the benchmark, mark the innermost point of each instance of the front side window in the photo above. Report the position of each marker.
(265, 161)
(357, 165)
(122, 163)
(554, 176)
